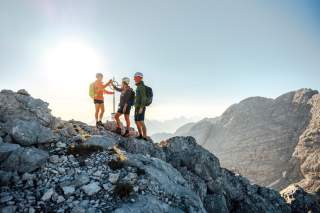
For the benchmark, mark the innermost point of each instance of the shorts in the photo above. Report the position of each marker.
(95, 101)
(127, 112)
(137, 116)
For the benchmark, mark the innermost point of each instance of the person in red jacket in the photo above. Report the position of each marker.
(99, 91)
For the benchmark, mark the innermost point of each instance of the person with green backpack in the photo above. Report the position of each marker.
(143, 98)
(96, 91)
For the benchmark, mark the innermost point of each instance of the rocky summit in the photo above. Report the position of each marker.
(51, 165)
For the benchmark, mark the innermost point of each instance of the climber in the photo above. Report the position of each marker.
(96, 91)
(126, 102)
(143, 98)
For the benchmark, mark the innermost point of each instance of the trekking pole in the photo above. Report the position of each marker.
(113, 101)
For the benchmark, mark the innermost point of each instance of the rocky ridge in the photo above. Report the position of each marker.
(50, 165)
(273, 142)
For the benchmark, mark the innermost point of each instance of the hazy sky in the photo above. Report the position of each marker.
(200, 56)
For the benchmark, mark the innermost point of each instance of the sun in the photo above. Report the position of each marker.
(72, 59)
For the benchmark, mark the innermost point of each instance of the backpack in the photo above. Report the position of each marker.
(91, 90)
(149, 94)
(132, 97)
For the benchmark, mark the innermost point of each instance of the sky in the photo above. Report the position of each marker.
(199, 56)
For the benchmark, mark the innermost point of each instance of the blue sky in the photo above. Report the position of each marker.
(199, 56)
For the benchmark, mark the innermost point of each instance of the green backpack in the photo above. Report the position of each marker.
(91, 90)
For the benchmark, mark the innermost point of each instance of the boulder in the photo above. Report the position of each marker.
(102, 140)
(24, 160)
(6, 149)
(27, 133)
(47, 195)
(91, 188)
(299, 200)
(5, 178)
(15, 106)
(136, 146)
(23, 92)
(168, 179)
(185, 152)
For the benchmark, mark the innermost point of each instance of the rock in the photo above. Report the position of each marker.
(7, 139)
(147, 204)
(23, 92)
(27, 176)
(1, 140)
(8, 209)
(27, 133)
(104, 141)
(299, 200)
(6, 149)
(135, 146)
(24, 160)
(60, 199)
(184, 154)
(216, 203)
(81, 179)
(68, 190)
(54, 159)
(91, 188)
(59, 144)
(31, 210)
(168, 179)
(78, 209)
(5, 197)
(47, 195)
(14, 106)
(113, 178)
(182, 151)
(5, 178)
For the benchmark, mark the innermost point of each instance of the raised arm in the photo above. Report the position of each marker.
(107, 84)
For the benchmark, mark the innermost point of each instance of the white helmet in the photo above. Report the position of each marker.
(138, 74)
(126, 80)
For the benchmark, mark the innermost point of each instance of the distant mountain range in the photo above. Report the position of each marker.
(273, 142)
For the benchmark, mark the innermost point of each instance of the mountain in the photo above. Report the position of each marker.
(166, 126)
(51, 165)
(199, 130)
(273, 142)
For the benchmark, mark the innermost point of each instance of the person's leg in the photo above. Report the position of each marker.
(127, 118)
(101, 112)
(117, 118)
(97, 108)
(139, 128)
(144, 129)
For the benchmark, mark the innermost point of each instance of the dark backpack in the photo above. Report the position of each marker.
(149, 94)
(132, 98)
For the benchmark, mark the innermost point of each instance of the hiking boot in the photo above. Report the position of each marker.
(100, 124)
(139, 137)
(146, 139)
(118, 131)
(126, 134)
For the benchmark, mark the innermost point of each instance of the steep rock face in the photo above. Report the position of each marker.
(258, 136)
(307, 150)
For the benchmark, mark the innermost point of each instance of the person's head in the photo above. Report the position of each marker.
(99, 76)
(125, 81)
(138, 76)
